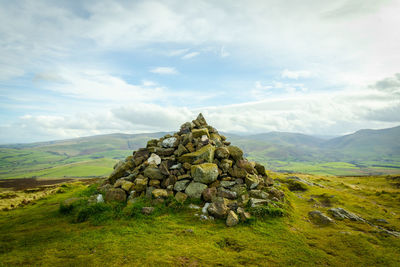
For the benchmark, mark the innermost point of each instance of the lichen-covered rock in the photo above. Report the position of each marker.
(115, 194)
(341, 214)
(180, 197)
(196, 162)
(218, 210)
(252, 181)
(232, 219)
(209, 194)
(205, 153)
(198, 133)
(152, 172)
(181, 185)
(319, 218)
(147, 210)
(127, 185)
(205, 173)
(194, 190)
(159, 193)
(141, 183)
(235, 152)
(170, 142)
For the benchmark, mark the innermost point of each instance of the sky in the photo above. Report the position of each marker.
(79, 68)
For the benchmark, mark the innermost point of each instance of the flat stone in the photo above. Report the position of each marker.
(205, 153)
(222, 192)
(341, 214)
(254, 202)
(152, 172)
(227, 184)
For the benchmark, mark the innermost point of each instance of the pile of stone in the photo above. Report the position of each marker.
(197, 163)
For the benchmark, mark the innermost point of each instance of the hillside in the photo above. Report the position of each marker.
(362, 153)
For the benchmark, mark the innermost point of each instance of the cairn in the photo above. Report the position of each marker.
(197, 163)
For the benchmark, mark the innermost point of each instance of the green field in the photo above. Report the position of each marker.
(117, 235)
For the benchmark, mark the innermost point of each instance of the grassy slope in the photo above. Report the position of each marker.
(39, 235)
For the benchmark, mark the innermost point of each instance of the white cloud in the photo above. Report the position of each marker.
(296, 74)
(164, 70)
(190, 55)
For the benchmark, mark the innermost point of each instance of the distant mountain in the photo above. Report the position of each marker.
(363, 152)
(381, 142)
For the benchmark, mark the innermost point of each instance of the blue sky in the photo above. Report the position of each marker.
(79, 68)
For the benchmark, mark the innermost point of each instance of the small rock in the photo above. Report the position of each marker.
(232, 219)
(147, 210)
(319, 218)
(341, 214)
(218, 209)
(193, 207)
(169, 142)
(227, 184)
(222, 153)
(126, 185)
(235, 152)
(176, 166)
(204, 209)
(205, 173)
(258, 194)
(180, 197)
(115, 194)
(254, 202)
(154, 159)
(159, 193)
(194, 190)
(222, 192)
(244, 216)
(152, 172)
(181, 185)
(209, 194)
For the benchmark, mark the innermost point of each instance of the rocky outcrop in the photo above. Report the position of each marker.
(197, 162)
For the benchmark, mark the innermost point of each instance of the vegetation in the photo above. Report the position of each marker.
(362, 153)
(46, 233)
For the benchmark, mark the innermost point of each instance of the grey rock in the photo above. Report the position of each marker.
(227, 184)
(194, 190)
(319, 218)
(169, 142)
(181, 185)
(255, 202)
(205, 173)
(222, 192)
(341, 214)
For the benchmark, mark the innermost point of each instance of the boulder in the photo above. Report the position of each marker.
(127, 186)
(341, 214)
(260, 169)
(205, 173)
(232, 219)
(222, 192)
(252, 181)
(227, 184)
(141, 183)
(194, 190)
(181, 185)
(319, 218)
(258, 194)
(255, 202)
(222, 153)
(180, 197)
(209, 194)
(198, 133)
(115, 194)
(181, 150)
(153, 172)
(154, 159)
(235, 152)
(205, 153)
(159, 193)
(200, 121)
(170, 142)
(218, 209)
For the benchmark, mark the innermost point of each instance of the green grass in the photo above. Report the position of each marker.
(42, 235)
